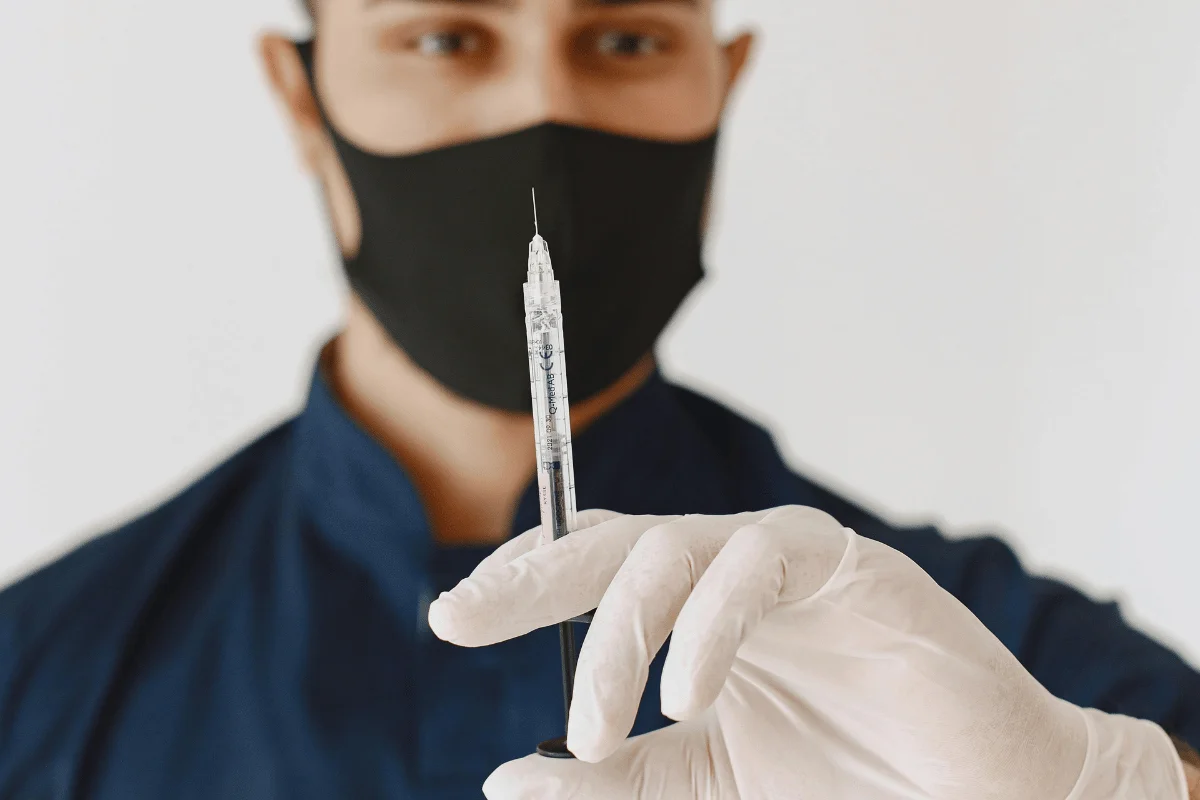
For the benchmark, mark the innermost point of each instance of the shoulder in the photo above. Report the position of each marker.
(94, 572)
(63, 628)
(749, 453)
(737, 440)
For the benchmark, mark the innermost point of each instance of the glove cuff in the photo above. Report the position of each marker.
(1128, 758)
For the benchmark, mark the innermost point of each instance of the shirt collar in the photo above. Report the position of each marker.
(640, 457)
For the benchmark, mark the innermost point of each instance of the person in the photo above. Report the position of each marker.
(292, 625)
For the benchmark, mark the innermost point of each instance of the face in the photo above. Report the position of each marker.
(403, 76)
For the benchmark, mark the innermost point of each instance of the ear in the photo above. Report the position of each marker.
(737, 54)
(289, 82)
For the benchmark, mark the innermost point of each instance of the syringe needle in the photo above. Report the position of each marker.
(535, 222)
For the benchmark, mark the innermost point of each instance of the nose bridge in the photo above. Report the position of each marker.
(558, 87)
(546, 61)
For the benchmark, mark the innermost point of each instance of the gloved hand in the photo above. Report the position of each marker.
(806, 662)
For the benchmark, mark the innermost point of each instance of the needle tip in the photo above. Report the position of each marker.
(535, 219)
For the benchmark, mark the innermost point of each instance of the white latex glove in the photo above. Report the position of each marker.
(806, 662)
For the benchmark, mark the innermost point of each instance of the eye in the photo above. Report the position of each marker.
(442, 44)
(625, 44)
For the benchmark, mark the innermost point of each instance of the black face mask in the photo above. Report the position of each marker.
(445, 236)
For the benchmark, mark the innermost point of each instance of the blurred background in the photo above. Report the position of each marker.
(955, 267)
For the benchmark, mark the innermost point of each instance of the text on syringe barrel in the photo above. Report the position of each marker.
(552, 422)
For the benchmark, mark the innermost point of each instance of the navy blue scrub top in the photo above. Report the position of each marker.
(263, 634)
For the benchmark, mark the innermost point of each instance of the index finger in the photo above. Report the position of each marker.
(547, 585)
(522, 543)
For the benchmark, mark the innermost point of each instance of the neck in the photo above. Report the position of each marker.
(470, 463)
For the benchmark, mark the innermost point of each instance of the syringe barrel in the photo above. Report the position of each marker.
(551, 407)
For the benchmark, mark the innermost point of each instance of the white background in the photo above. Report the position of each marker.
(955, 268)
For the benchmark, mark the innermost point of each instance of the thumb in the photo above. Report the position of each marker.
(675, 763)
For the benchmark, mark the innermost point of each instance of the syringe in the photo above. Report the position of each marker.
(552, 430)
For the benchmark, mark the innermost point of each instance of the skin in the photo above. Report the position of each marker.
(1191, 768)
(405, 76)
